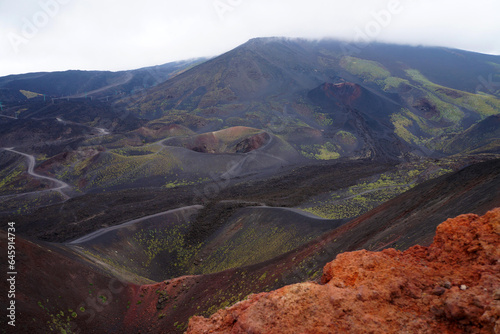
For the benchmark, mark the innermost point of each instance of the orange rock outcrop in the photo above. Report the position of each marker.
(452, 286)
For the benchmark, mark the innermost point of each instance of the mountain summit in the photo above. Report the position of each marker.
(386, 100)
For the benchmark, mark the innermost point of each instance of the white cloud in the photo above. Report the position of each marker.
(114, 35)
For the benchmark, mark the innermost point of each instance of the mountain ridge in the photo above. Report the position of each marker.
(242, 174)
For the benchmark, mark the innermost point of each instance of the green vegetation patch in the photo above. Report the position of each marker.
(327, 151)
(366, 195)
(170, 241)
(113, 168)
(447, 99)
(323, 119)
(28, 94)
(366, 69)
(252, 244)
(60, 322)
(392, 83)
(10, 179)
(401, 125)
(136, 151)
(406, 124)
(183, 183)
(346, 138)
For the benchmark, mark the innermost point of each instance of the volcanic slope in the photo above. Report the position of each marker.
(449, 287)
(414, 215)
(176, 161)
(483, 137)
(165, 307)
(22, 87)
(166, 245)
(61, 292)
(63, 126)
(288, 186)
(314, 101)
(226, 135)
(253, 85)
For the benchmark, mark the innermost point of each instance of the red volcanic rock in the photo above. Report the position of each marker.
(451, 286)
(252, 143)
(205, 143)
(346, 92)
(238, 139)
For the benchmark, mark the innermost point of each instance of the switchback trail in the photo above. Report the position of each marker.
(59, 185)
(101, 131)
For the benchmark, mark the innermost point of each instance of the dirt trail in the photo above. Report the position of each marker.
(59, 185)
(102, 231)
(101, 131)
(8, 116)
(126, 78)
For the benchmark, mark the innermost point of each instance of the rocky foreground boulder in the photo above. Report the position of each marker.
(452, 286)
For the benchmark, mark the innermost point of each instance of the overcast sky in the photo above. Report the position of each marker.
(50, 35)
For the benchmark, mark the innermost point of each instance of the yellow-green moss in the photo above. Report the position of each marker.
(366, 69)
(29, 94)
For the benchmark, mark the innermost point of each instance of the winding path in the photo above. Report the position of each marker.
(126, 78)
(105, 230)
(101, 131)
(59, 185)
(8, 116)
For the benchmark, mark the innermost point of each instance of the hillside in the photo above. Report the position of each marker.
(452, 286)
(335, 97)
(166, 245)
(22, 87)
(159, 306)
(314, 101)
(144, 198)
